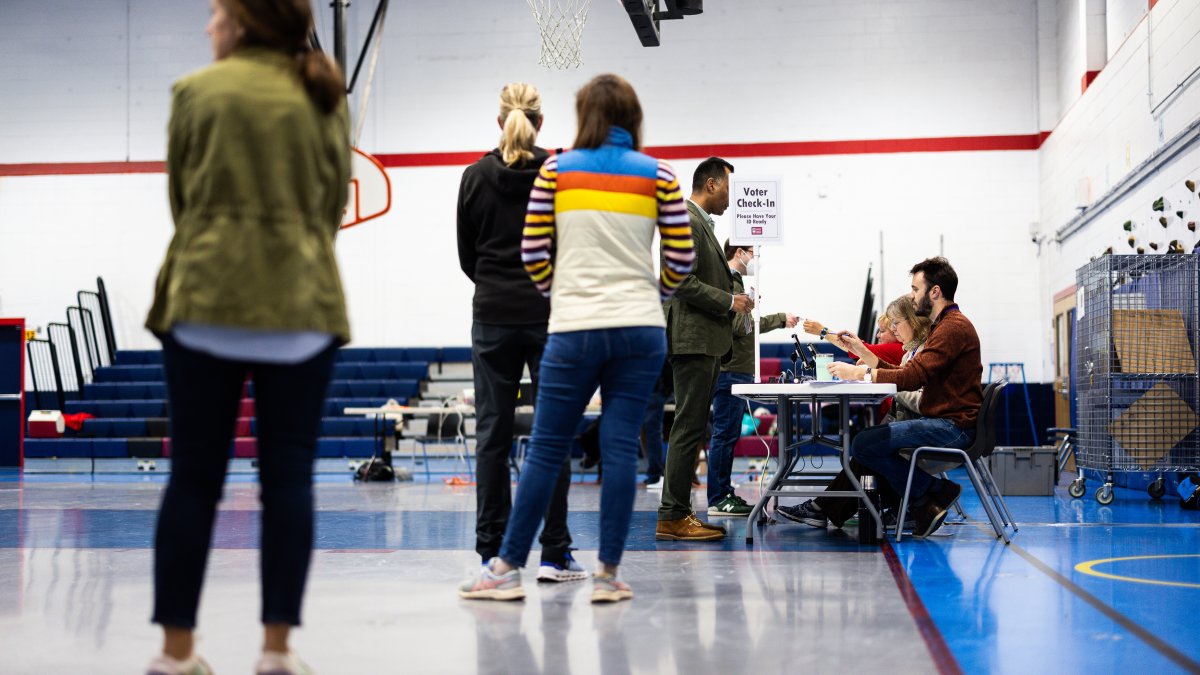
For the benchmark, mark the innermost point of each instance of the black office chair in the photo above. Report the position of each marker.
(937, 461)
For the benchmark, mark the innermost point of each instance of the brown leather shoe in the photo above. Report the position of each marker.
(708, 525)
(932, 514)
(688, 528)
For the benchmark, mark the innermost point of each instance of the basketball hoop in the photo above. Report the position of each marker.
(561, 24)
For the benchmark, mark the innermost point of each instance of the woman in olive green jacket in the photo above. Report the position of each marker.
(258, 163)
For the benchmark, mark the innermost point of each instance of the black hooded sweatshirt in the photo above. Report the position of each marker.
(492, 200)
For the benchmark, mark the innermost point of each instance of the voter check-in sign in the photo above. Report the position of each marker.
(757, 211)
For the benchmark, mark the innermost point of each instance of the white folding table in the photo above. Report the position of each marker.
(787, 482)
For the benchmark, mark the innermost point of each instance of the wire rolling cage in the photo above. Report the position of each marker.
(1135, 368)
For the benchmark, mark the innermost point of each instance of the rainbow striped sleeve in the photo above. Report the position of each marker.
(678, 252)
(537, 242)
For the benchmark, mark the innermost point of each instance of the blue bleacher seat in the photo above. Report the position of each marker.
(124, 391)
(345, 447)
(109, 447)
(147, 357)
(38, 448)
(129, 374)
(427, 354)
(371, 389)
(112, 428)
(347, 426)
(455, 355)
(76, 447)
(394, 370)
(372, 354)
(109, 408)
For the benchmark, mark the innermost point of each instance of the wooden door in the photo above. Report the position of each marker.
(1064, 337)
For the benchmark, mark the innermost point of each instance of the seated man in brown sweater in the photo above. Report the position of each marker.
(949, 369)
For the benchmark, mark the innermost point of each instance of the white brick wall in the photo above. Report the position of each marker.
(1110, 130)
(741, 72)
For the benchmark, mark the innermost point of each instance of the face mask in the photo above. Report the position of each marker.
(752, 267)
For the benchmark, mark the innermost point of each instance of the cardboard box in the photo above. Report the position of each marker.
(1149, 429)
(1151, 341)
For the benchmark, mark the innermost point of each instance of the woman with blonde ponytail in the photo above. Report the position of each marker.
(521, 120)
(510, 321)
(258, 164)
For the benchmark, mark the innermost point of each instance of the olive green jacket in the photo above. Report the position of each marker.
(742, 360)
(699, 314)
(257, 177)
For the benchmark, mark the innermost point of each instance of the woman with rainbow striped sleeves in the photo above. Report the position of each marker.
(587, 244)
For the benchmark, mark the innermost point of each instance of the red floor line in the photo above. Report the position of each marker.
(943, 658)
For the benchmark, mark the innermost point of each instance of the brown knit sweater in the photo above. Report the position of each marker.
(948, 368)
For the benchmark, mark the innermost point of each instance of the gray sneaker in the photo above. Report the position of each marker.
(608, 589)
(165, 665)
(806, 513)
(488, 586)
(277, 663)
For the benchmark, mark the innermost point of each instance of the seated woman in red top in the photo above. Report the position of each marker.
(886, 347)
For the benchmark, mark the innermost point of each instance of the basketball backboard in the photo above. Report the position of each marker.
(370, 190)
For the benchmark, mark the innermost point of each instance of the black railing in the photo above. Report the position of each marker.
(106, 317)
(66, 346)
(67, 358)
(90, 301)
(84, 328)
(47, 379)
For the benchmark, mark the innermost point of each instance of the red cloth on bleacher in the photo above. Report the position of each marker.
(74, 421)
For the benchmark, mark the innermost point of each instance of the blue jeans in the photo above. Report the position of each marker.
(726, 429)
(625, 363)
(878, 449)
(652, 431)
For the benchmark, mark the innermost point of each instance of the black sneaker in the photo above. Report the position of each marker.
(805, 513)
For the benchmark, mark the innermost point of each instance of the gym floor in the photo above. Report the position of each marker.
(1082, 588)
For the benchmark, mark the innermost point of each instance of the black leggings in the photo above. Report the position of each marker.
(204, 394)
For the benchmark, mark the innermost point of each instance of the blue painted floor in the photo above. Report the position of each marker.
(1082, 588)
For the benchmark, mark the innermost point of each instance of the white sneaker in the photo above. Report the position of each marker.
(276, 663)
(569, 571)
(656, 485)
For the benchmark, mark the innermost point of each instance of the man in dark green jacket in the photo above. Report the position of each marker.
(727, 408)
(699, 337)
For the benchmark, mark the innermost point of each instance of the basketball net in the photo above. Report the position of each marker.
(560, 23)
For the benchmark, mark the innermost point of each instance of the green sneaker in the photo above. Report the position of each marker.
(730, 506)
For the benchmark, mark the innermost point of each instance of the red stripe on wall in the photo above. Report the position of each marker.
(730, 150)
(80, 168)
(1087, 80)
(430, 159)
(864, 147)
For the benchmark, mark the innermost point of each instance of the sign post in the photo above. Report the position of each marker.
(757, 222)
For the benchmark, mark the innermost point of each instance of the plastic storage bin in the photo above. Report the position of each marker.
(1024, 471)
